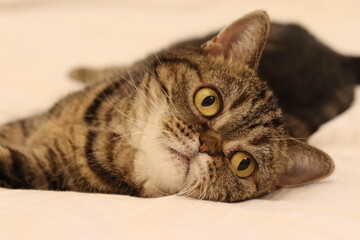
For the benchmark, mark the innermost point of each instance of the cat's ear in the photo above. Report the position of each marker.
(243, 40)
(305, 164)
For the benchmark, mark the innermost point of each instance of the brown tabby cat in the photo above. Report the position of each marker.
(193, 121)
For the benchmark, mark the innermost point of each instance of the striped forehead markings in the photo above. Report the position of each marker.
(187, 62)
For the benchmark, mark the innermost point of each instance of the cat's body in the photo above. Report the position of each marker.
(143, 131)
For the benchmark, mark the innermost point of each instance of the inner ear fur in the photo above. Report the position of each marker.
(305, 164)
(242, 41)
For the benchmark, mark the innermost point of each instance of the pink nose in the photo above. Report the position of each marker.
(210, 143)
(203, 148)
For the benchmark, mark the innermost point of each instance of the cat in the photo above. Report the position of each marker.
(194, 120)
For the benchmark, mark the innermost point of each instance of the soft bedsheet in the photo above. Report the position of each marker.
(41, 40)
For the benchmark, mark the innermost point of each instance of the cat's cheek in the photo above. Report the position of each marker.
(161, 173)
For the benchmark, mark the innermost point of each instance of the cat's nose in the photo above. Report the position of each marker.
(210, 143)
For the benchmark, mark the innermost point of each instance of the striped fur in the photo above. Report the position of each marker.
(136, 131)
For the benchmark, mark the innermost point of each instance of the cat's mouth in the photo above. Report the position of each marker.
(182, 157)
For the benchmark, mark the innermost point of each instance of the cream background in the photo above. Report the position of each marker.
(40, 40)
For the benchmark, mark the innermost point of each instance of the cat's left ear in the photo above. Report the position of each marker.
(242, 41)
(304, 164)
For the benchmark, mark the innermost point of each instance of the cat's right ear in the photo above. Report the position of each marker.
(242, 41)
(304, 164)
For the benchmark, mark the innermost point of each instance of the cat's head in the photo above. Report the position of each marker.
(219, 131)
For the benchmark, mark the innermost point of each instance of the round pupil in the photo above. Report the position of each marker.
(208, 101)
(244, 164)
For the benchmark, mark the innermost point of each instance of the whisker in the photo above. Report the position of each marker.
(186, 186)
(191, 188)
(159, 191)
(138, 90)
(131, 118)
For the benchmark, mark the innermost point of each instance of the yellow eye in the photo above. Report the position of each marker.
(243, 165)
(207, 102)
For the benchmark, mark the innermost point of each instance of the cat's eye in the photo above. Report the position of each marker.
(207, 101)
(242, 164)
